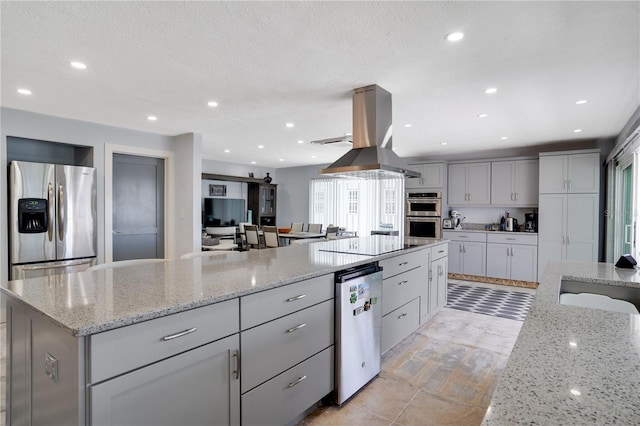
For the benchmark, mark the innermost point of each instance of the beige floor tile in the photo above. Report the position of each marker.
(427, 409)
(386, 396)
(342, 416)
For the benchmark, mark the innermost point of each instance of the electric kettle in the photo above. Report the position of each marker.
(511, 224)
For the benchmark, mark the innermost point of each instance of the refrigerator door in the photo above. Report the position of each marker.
(31, 180)
(76, 217)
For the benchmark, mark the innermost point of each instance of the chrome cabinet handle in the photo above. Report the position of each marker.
(464, 250)
(564, 185)
(460, 248)
(402, 316)
(403, 282)
(507, 251)
(293, 299)
(297, 327)
(510, 239)
(469, 196)
(430, 274)
(295, 382)
(182, 333)
(511, 251)
(563, 239)
(440, 251)
(569, 184)
(60, 214)
(36, 268)
(568, 240)
(236, 364)
(516, 194)
(50, 206)
(402, 264)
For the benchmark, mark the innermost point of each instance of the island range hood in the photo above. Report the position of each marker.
(371, 156)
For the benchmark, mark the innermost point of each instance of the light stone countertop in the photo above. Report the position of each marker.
(90, 302)
(572, 365)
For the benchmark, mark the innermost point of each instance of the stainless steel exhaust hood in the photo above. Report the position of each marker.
(371, 156)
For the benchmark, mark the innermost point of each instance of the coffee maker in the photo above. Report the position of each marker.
(531, 222)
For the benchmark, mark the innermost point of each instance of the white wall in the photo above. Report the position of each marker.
(188, 171)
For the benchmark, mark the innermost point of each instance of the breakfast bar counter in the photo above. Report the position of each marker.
(572, 365)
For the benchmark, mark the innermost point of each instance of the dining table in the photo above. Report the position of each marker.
(298, 235)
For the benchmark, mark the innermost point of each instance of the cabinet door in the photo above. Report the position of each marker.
(553, 174)
(425, 288)
(479, 183)
(433, 175)
(552, 215)
(414, 182)
(502, 180)
(455, 257)
(457, 184)
(583, 173)
(197, 387)
(498, 260)
(524, 262)
(582, 227)
(440, 277)
(526, 182)
(474, 258)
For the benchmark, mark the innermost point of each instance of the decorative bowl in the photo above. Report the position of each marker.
(284, 230)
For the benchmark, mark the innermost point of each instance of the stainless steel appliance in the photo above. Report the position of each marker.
(358, 328)
(421, 227)
(52, 211)
(531, 222)
(423, 204)
(447, 223)
(511, 224)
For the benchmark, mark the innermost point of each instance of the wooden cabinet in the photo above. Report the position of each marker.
(469, 184)
(198, 387)
(467, 252)
(432, 176)
(262, 201)
(512, 256)
(514, 183)
(568, 226)
(570, 173)
(287, 341)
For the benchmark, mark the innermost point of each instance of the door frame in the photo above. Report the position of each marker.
(167, 156)
(630, 160)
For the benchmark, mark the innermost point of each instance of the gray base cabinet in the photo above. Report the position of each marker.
(197, 387)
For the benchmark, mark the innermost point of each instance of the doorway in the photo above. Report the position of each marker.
(625, 241)
(138, 207)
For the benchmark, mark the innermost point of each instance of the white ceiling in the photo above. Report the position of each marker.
(269, 63)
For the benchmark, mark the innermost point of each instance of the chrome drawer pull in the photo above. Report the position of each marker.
(403, 282)
(293, 299)
(297, 327)
(182, 333)
(402, 264)
(440, 251)
(295, 382)
(236, 364)
(510, 239)
(402, 316)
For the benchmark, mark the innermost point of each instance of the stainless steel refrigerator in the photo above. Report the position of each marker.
(52, 214)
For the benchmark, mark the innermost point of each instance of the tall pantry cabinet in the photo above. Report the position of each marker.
(568, 215)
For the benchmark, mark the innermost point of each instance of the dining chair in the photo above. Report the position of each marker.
(271, 237)
(296, 227)
(316, 228)
(243, 236)
(253, 239)
(206, 253)
(332, 232)
(123, 263)
(225, 232)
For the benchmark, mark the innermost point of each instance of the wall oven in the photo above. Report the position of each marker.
(424, 204)
(422, 227)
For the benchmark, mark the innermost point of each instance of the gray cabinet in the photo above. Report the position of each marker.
(432, 176)
(514, 183)
(469, 184)
(467, 252)
(198, 387)
(570, 173)
(512, 256)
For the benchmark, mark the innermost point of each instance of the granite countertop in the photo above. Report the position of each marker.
(89, 302)
(572, 365)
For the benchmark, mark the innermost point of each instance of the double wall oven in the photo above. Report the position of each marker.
(422, 215)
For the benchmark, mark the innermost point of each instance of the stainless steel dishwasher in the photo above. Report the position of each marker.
(358, 327)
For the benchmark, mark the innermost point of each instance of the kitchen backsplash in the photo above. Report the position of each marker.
(487, 215)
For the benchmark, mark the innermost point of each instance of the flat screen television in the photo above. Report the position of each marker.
(223, 212)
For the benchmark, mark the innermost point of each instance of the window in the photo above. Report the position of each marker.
(353, 201)
(390, 202)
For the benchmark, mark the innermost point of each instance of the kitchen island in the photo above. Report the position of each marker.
(572, 365)
(91, 347)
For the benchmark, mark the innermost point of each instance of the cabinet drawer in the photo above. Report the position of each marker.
(286, 396)
(439, 251)
(531, 240)
(396, 265)
(123, 349)
(399, 324)
(265, 306)
(480, 237)
(273, 347)
(402, 288)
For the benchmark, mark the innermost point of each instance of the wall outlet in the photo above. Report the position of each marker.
(51, 367)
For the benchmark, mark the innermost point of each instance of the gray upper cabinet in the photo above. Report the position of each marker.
(570, 173)
(432, 176)
(469, 184)
(514, 183)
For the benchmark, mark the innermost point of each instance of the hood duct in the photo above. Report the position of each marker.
(371, 156)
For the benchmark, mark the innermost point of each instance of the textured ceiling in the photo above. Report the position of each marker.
(269, 63)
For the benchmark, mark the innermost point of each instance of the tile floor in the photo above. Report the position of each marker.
(443, 374)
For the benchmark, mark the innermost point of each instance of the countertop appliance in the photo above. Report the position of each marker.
(511, 224)
(531, 222)
(447, 223)
(52, 211)
(358, 328)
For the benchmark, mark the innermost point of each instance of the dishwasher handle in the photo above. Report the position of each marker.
(356, 272)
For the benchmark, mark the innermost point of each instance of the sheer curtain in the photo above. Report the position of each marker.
(357, 204)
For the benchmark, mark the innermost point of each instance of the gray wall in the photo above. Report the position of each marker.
(293, 193)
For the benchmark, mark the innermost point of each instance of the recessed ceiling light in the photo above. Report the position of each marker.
(253, 162)
(289, 125)
(313, 156)
(482, 115)
(260, 146)
(300, 141)
(78, 65)
(490, 90)
(443, 143)
(152, 118)
(575, 392)
(24, 91)
(227, 151)
(573, 344)
(577, 131)
(455, 36)
(408, 125)
(581, 102)
(347, 134)
(504, 138)
(212, 104)
(282, 159)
